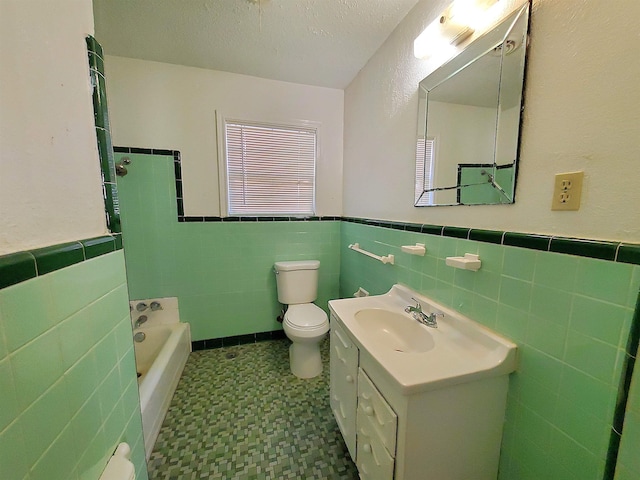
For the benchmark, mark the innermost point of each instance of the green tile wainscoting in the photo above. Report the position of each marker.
(570, 314)
(220, 270)
(67, 366)
(560, 400)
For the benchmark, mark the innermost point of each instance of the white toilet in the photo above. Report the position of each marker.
(305, 324)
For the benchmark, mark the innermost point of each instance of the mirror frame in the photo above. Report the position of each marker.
(483, 45)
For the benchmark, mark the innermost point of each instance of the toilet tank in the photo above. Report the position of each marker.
(297, 281)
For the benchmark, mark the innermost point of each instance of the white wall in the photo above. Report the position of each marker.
(157, 105)
(506, 142)
(448, 123)
(50, 184)
(582, 113)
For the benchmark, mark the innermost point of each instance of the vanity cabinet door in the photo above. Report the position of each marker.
(343, 384)
(375, 413)
(374, 462)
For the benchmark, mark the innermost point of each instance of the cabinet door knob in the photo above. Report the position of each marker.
(349, 379)
(368, 410)
(367, 448)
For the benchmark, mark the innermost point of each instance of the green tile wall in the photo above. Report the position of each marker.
(67, 371)
(570, 317)
(221, 272)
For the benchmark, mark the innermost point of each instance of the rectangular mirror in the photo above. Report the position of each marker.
(469, 118)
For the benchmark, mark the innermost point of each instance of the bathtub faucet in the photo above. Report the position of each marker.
(141, 319)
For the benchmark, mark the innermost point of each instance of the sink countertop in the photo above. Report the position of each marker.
(463, 350)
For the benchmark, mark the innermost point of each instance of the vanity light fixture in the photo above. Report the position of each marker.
(452, 27)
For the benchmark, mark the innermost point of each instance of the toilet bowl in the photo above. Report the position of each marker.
(305, 325)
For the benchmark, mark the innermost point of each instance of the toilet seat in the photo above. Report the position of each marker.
(306, 316)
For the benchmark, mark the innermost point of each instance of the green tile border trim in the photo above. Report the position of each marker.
(94, 247)
(21, 266)
(628, 253)
(523, 240)
(584, 248)
(93, 46)
(260, 219)
(211, 343)
(486, 236)
(16, 268)
(612, 455)
(621, 252)
(56, 257)
(623, 394)
(103, 133)
(456, 232)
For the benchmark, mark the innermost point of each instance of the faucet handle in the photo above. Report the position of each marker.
(418, 305)
(141, 319)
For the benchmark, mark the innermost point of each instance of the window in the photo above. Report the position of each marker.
(269, 169)
(424, 171)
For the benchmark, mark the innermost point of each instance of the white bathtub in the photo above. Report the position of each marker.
(160, 359)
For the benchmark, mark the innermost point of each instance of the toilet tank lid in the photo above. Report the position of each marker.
(297, 265)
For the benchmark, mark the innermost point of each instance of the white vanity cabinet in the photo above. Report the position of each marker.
(367, 423)
(443, 430)
(343, 384)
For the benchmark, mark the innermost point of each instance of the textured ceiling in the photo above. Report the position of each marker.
(314, 42)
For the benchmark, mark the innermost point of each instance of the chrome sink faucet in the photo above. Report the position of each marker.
(426, 319)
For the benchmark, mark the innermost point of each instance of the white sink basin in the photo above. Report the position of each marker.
(394, 331)
(416, 357)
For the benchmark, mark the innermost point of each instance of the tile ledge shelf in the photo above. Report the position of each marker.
(20, 266)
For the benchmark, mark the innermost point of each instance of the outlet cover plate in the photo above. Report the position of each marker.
(567, 191)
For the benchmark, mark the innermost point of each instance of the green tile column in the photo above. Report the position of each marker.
(103, 134)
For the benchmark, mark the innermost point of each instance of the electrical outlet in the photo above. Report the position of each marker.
(567, 191)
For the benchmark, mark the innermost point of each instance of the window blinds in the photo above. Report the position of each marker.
(270, 169)
(424, 171)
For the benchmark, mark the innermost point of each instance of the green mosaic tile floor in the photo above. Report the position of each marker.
(248, 417)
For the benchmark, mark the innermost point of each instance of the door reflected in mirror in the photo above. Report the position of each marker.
(469, 119)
